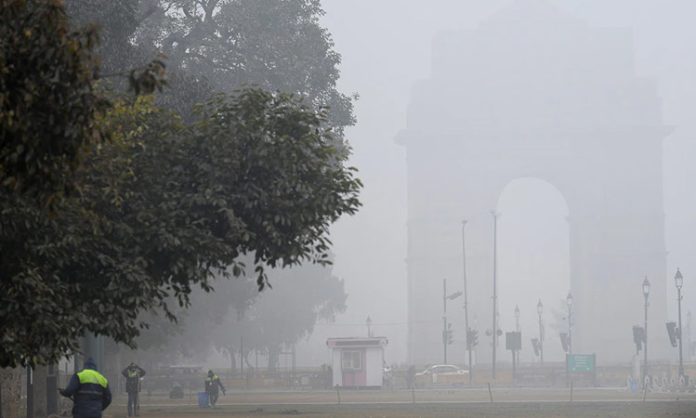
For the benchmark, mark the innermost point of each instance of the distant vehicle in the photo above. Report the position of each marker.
(442, 375)
(177, 392)
(179, 370)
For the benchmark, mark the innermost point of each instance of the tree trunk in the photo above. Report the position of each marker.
(40, 375)
(233, 361)
(11, 387)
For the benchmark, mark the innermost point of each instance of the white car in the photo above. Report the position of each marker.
(442, 375)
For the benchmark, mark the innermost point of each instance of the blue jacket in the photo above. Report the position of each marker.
(89, 391)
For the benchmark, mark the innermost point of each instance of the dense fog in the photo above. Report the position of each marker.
(385, 54)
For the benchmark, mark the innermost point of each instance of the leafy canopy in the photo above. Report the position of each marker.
(48, 106)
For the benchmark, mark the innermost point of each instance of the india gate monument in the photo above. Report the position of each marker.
(533, 92)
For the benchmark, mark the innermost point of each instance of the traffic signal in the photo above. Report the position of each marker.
(472, 338)
(673, 333)
(638, 337)
(564, 341)
(450, 334)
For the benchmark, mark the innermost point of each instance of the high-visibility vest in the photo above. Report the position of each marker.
(89, 376)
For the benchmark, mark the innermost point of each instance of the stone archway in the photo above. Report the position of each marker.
(535, 93)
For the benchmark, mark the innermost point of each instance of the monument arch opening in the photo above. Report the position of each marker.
(533, 262)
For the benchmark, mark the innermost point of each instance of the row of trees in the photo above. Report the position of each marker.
(236, 319)
(115, 207)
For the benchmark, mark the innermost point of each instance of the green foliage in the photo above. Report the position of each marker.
(277, 45)
(162, 208)
(285, 315)
(48, 106)
(169, 202)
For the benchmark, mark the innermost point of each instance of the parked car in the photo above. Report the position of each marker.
(442, 375)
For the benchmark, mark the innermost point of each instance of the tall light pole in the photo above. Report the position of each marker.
(540, 311)
(494, 332)
(517, 328)
(646, 293)
(444, 320)
(678, 282)
(569, 301)
(469, 343)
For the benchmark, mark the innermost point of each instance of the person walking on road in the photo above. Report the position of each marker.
(89, 391)
(133, 373)
(212, 387)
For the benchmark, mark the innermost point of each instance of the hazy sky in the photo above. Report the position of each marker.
(385, 46)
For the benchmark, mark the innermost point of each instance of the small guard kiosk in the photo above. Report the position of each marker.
(357, 362)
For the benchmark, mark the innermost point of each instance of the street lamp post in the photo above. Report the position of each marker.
(646, 293)
(678, 282)
(540, 311)
(517, 328)
(569, 301)
(469, 343)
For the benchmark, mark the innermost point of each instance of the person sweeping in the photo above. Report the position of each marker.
(212, 386)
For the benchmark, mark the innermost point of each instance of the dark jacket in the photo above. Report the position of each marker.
(213, 384)
(133, 373)
(89, 391)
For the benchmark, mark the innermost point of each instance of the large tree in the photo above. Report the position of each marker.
(164, 206)
(273, 44)
(223, 45)
(282, 317)
(164, 209)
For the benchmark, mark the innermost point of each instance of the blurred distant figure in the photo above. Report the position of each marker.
(212, 387)
(133, 373)
(411, 377)
(89, 391)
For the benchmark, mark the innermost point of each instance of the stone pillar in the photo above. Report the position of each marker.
(10, 385)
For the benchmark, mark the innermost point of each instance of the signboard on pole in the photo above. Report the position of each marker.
(581, 363)
(582, 367)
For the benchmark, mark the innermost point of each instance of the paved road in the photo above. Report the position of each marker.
(508, 402)
(555, 409)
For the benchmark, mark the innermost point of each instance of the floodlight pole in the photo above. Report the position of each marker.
(646, 293)
(494, 332)
(444, 319)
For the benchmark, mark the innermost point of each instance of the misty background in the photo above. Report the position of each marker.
(386, 47)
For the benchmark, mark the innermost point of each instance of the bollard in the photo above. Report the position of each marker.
(490, 392)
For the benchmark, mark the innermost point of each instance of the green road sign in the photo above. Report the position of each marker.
(581, 363)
